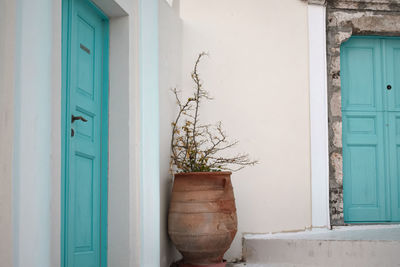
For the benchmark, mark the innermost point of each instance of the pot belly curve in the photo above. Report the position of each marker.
(202, 218)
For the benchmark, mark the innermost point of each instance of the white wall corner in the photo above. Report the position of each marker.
(170, 70)
(318, 116)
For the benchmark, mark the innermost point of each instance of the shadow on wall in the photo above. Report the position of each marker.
(170, 58)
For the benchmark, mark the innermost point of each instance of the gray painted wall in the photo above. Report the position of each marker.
(7, 42)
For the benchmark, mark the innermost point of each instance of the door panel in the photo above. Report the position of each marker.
(83, 209)
(392, 73)
(394, 163)
(363, 166)
(361, 61)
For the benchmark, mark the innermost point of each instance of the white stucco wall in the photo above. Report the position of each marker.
(35, 121)
(257, 72)
(30, 154)
(170, 54)
(121, 179)
(124, 219)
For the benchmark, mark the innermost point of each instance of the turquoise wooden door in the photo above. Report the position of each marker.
(370, 109)
(392, 77)
(85, 166)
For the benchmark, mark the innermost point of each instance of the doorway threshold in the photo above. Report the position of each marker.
(359, 245)
(390, 232)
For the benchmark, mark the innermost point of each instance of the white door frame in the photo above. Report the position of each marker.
(318, 115)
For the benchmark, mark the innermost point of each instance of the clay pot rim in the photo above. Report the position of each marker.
(202, 173)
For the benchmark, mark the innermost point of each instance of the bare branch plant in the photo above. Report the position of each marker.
(196, 147)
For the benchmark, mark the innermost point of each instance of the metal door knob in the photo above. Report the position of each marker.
(77, 118)
(389, 87)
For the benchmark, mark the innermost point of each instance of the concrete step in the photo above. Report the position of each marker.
(350, 246)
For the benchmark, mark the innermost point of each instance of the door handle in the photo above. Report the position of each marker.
(77, 118)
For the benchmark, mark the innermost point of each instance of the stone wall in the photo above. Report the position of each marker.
(344, 19)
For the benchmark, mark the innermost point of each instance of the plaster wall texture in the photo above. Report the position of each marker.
(7, 42)
(257, 72)
(170, 59)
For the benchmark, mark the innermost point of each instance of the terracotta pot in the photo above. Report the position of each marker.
(202, 218)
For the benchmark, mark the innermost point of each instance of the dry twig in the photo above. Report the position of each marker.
(194, 146)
